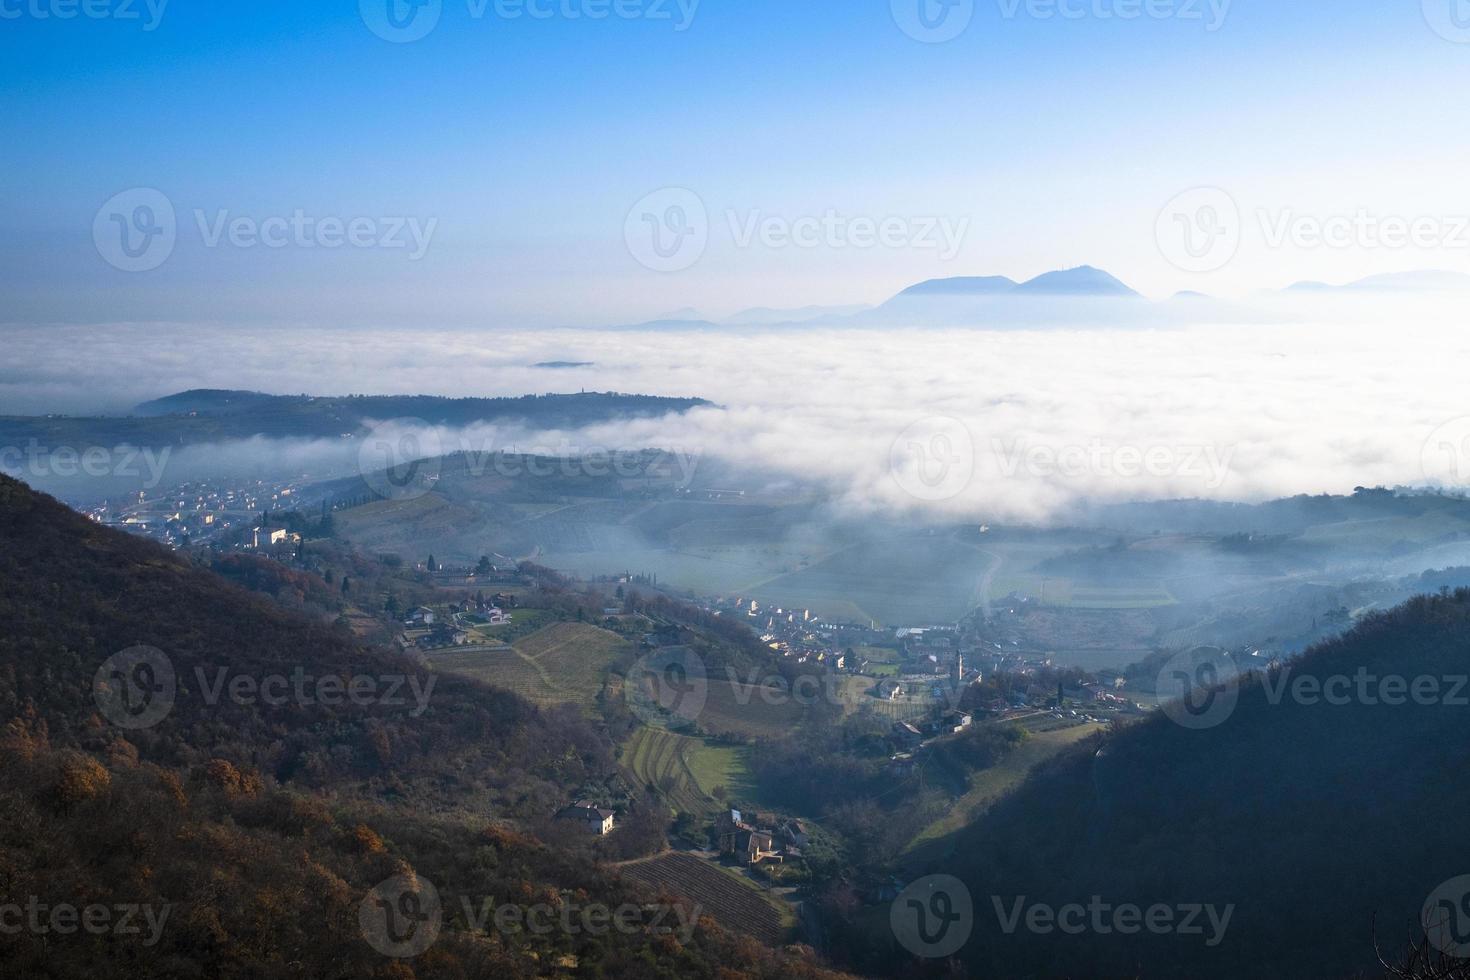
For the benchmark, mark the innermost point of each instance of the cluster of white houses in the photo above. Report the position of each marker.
(203, 511)
(426, 629)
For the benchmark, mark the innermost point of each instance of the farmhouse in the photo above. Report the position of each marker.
(954, 721)
(888, 690)
(755, 846)
(441, 636)
(743, 841)
(594, 819)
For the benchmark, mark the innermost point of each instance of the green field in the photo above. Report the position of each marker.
(686, 770)
(565, 663)
(722, 765)
(879, 655)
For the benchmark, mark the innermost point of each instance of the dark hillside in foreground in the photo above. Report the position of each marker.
(1321, 823)
(252, 834)
(73, 593)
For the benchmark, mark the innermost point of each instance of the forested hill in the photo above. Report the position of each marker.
(1324, 815)
(181, 779)
(74, 593)
(203, 416)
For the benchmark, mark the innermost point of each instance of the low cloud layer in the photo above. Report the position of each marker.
(987, 425)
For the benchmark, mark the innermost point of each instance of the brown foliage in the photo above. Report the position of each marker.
(224, 775)
(365, 840)
(79, 778)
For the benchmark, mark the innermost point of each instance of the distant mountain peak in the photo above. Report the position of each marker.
(1084, 280)
(962, 286)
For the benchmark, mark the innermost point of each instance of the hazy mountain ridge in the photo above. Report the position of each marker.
(1079, 296)
(209, 415)
(1423, 280)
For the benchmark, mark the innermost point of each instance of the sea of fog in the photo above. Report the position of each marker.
(1005, 424)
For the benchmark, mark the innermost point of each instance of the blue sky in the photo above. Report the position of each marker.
(524, 142)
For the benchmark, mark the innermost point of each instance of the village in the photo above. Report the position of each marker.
(220, 511)
(930, 663)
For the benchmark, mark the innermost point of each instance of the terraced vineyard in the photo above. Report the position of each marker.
(656, 758)
(733, 903)
(687, 770)
(564, 663)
